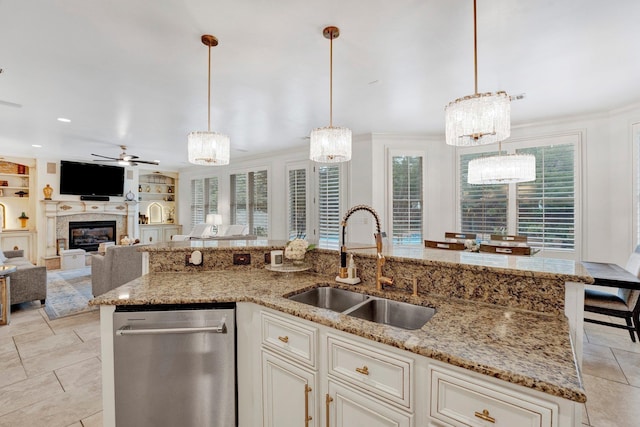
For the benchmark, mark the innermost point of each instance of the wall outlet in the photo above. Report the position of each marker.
(241, 259)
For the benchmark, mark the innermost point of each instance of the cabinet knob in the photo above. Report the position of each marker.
(364, 370)
(484, 415)
(284, 339)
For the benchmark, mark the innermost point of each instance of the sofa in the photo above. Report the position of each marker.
(29, 282)
(118, 265)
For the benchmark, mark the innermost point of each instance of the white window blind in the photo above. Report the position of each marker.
(546, 207)
(204, 198)
(483, 208)
(297, 203)
(249, 201)
(329, 206)
(407, 200)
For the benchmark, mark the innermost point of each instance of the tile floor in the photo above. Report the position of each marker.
(50, 373)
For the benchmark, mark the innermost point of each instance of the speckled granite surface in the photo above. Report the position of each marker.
(528, 283)
(523, 347)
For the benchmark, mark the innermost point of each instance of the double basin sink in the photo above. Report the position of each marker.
(374, 309)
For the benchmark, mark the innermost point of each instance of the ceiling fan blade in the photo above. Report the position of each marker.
(105, 157)
(127, 157)
(147, 162)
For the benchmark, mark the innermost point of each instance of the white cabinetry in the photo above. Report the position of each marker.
(459, 399)
(18, 240)
(158, 233)
(358, 382)
(289, 374)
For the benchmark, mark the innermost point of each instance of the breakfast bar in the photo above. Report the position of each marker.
(475, 340)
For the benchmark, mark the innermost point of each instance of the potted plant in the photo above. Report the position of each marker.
(23, 220)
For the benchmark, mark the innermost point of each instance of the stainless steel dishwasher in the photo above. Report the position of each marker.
(175, 365)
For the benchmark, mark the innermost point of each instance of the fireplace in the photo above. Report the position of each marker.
(88, 235)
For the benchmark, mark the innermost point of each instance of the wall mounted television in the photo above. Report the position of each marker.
(91, 179)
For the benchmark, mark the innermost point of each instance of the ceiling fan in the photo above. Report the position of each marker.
(125, 159)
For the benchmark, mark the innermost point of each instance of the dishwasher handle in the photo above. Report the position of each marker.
(127, 330)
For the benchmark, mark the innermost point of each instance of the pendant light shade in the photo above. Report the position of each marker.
(507, 169)
(330, 144)
(481, 118)
(208, 148)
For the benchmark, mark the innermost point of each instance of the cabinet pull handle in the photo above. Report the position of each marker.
(307, 417)
(484, 415)
(364, 370)
(328, 401)
(284, 339)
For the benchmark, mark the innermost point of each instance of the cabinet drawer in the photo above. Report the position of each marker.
(461, 400)
(385, 374)
(293, 340)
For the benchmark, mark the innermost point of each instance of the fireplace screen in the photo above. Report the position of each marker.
(88, 235)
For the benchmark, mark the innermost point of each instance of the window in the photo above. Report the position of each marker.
(407, 203)
(249, 201)
(204, 198)
(546, 207)
(329, 206)
(297, 206)
(543, 210)
(483, 208)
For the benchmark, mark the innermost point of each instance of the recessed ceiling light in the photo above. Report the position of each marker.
(36, 145)
(63, 120)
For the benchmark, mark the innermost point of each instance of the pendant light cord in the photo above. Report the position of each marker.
(209, 94)
(475, 49)
(331, 80)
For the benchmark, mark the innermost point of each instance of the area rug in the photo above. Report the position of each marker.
(68, 292)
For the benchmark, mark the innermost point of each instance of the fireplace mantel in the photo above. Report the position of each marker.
(54, 210)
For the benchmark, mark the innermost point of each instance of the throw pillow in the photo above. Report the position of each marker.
(2, 258)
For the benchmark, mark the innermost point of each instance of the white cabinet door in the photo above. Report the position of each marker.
(12, 243)
(349, 408)
(289, 393)
(169, 232)
(149, 235)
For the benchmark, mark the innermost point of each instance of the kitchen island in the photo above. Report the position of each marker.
(515, 351)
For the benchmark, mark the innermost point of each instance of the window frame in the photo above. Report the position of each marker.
(246, 171)
(397, 152)
(293, 166)
(510, 147)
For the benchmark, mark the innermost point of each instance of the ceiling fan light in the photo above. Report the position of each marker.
(330, 144)
(507, 169)
(208, 148)
(483, 118)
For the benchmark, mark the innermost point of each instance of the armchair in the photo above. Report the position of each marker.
(119, 265)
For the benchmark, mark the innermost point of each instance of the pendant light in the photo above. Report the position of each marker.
(330, 144)
(208, 148)
(502, 169)
(481, 118)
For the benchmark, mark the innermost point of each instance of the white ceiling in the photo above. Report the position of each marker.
(135, 72)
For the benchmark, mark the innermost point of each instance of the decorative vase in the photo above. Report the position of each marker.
(23, 222)
(48, 191)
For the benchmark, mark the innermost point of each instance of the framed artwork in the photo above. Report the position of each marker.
(61, 245)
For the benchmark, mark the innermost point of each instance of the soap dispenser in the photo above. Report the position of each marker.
(352, 273)
(351, 268)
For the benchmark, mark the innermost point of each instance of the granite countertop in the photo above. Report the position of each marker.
(522, 347)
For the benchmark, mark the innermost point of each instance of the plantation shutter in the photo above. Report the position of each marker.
(546, 207)
(483, 208)
(258, 203)
(329, 206)
(204, 198)
(239, 214)
(297, 203)
(407, 200)
(211, 192)
(197, 201)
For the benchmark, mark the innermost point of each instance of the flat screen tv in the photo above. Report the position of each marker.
(91, 179)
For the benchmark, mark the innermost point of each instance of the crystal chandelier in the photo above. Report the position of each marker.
(481, 118)
(208, 148)
(330, 144)
(507, 169)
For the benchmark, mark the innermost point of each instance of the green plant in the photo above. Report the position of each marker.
(23, 216)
